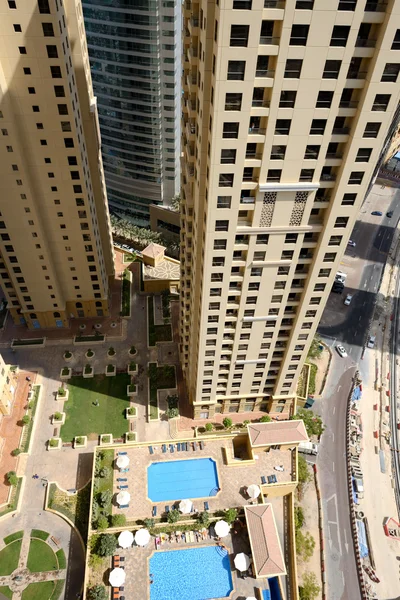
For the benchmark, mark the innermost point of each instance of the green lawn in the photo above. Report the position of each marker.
(41, 557)
(84, 418)
(39, 533)
(14, 536)
(7, 593)
(39, 591)
(9, 557)
(157, 333)
(62, 561)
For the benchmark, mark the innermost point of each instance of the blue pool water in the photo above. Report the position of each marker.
(178, 479)
(193, 574)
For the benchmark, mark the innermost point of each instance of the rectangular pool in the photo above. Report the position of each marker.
(178, 479)
(192, 574)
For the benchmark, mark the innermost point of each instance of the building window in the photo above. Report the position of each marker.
(391, 72)
(226, 179)
(282, 126)
(59, 91)
(341, 222)
(35, 109)
(233, 101)
(331, 69)
(396, 41)
(274, 175)
(52, 51)
(236, 70)
(299, 35)
(381, 102)
(48, 30)
(230, 130)
(22, 49)
(340, 34)
(239, 35)
(222, 225)
(228, 156)
(56, 72)
(224, 201)
(356, 177)
(349, 199)
(363, 154)
(31, 90)
(372, 130)
(318, 127)
(293, 68)
(44, 7)
(312, 152)
(27, 71)
(324, 99)
(278, 152)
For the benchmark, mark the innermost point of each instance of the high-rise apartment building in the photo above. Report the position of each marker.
(55, 240)
(135, 54)
(286, 108)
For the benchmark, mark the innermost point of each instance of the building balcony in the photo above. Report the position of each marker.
(348, 104)
(356, 75)
(260, 103)
(365, 43)
(193, 55)
(267, 40)
(328, 177)
(257, 131)
(265, 73)
(190, 130)
(379, 7)
(193, 25)
(247, 200)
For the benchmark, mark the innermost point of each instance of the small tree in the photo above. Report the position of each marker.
(209, 427)
(67, 354)
(89, 353)
(12, 478)
(61, 391)
(16, 451)
(204, 519)
(107, 545)
(172, 413)
(105, 472)
(58, 416)
(173, 516)
(316, 348)
(105, 498)
(227, 423)
(88, 369)
(303, 473)
(132, 350)
(265, 419)
(148, 523)
(298, 517)
(26, 419)
(111, 351)
(53, 443)
(118, 520)
(79, 440)
(98, 592)
(230, 515)
(102, 522)
(309, 590)
(312, 422)
(305, 545)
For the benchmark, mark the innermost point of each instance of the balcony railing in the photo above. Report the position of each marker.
(365, 43)
(247, 200)
(340, 130)
(277, 156)
(321, 199)
(269, 40)
(348, 104)
(253, 156)
(273, 179)
(286, 104)
(236, 105)
(328, 177)
(274, 4)
(334, 155)
(306, 177)
(376, 6)
(260, 103)
(238, 42)
(265, 73)
(249, 178)
(194, 22)
(377, 107)
(356, 75)
(256, 131)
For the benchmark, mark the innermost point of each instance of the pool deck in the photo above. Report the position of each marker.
(232, 479)
(137, 584)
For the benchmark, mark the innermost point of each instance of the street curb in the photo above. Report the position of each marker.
(321, 533)
(353, 520)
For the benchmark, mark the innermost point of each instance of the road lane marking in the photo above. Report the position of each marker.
(339, 388)
(359, 318)
(334, 409)
(333, 467)
(365, 285)
(333, 436)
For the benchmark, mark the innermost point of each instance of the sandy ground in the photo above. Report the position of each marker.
(322, 364)
(310, 507)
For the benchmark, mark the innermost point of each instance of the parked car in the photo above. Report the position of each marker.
(348, 299)
(376, 213)
(371, 341)
(341, 351)
(351, 243)
(389, 214)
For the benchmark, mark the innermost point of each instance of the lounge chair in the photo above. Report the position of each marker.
(123, 487)
(151, 450)
(124, 506)
(115, 594)
(206, 506)
(178, 447)
(122, 479)
(263, 480)
(272, 479)
(122, 453)
(167, 508)
(171, 448)
(154, 511)
(187, 447)
(201, 444)
(164, 448)
(194, 446)
(122, 559)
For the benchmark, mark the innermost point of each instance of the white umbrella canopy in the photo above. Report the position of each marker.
(253, 491)
(122, 461)
(185, 506)
(242, 561)
(251, 598)
(222, 528)
(117, 577)
(142, 537)
(123, 497)
(125, 539)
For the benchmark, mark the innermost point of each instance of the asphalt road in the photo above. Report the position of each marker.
(350, 326)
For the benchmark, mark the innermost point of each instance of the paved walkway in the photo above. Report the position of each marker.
(10, 432)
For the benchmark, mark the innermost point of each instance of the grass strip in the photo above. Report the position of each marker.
(62, 561)
(40, 534)
(18, 535)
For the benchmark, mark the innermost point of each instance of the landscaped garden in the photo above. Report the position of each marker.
(73, 506)
(9, 557)
(161, 378)
(157, 333)
(41, 557)
(13, 501)
(32, 406)
(126, 294)
(43, 590)
(96, 406)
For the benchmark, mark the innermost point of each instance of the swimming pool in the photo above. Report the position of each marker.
(178, 479)
(192, 574)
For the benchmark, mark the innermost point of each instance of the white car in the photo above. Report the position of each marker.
(348, 299)
(341, 351)
(371, 341)
(351, 243)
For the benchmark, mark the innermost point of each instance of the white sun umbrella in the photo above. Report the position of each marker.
(185, 506)
(142, 537)
(123, 497)
(242, 562)
(251, 598)
(122, 461)
(222, 528)
(125, 539)
(117, 577)
(253, 491)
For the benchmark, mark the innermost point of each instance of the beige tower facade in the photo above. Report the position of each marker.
(55, 241)
(287, 106)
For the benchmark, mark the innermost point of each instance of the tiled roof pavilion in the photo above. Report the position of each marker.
(277, 433)
(266, 549)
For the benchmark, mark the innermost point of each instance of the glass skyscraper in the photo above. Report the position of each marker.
(135, 56)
